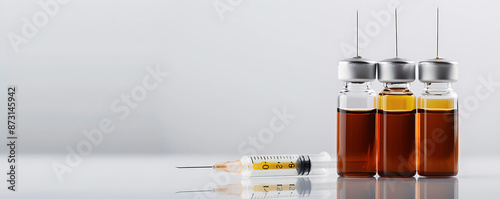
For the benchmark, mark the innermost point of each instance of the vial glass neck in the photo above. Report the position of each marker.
(437, 88)
(397, 86)
(357, 86)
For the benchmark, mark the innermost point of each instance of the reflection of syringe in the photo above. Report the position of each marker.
(261, 188)
(275, 165)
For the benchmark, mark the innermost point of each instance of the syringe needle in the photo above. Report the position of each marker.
(196, 167)
(196, 191)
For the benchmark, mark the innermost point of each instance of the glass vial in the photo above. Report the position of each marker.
(396, 119)
(438, 119)
(356, 117)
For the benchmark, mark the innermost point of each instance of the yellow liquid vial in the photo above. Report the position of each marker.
(396, 131)
(437, 131)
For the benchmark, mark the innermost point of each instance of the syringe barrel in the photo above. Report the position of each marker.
(285, 165)
(320, 163)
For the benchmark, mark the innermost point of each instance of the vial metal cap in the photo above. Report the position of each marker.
(396, 70)
(438, 70)
(357, 69)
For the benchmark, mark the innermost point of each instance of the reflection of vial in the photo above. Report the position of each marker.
(396, 118)
(356, 188)
(356, 118)
(438, 119)
(396, 188)
(437, 187)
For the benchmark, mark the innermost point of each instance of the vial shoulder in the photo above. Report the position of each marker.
(357, 92)
(439, 94)
(396, 92)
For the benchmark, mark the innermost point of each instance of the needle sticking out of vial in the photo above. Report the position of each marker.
(357, 34)
(438, 110)
(396, 108)
(396, 28)
(356, 69)
(356, 121)
(273, 165)
(437, 33)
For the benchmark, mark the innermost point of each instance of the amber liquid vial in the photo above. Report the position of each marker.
(356, 117)
(396, 131)
(438, 117)
(356, 132)
(438, 131)
(396, 116)
(356, 143)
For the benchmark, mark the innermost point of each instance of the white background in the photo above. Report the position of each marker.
(228, 71)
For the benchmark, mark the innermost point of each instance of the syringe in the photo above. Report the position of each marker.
(275, 165)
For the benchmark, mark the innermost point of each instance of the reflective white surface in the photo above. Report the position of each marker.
(156, 177)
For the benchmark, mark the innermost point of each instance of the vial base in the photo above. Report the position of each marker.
(389, 174)
(356, 143)
(356, 174)
(438, 142)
